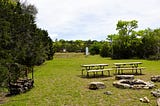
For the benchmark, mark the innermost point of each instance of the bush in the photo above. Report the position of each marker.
(3, 76)
(94, 49)
(104, 52)
(154, 57)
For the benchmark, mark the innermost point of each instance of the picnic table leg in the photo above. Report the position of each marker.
(102, 73)
(82, 71)
(132, 70)
(136, 71)
(94, 74)
(109, 73)
(116, 71)
(140, 71)
(87, 74)
(119, 71)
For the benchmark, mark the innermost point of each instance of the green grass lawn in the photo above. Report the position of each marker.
(59, 83)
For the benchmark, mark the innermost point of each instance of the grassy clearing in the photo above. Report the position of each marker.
(58, 83)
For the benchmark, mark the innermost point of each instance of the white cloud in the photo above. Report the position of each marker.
(93, 19)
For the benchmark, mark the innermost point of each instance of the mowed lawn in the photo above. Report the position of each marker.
(59, 83)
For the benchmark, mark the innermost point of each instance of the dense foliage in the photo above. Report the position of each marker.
(72, 46)
(21, 40)
(105, 50)
(128, 43)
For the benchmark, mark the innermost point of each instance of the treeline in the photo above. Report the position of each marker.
(127, 43)
(73, 46)
(95, 47)
(21, 41)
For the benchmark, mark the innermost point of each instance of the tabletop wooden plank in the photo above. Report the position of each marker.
(128, 63)
(92, 65)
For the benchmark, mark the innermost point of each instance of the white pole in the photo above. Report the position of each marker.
(87, 51)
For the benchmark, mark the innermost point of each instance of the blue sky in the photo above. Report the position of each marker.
(93, 19)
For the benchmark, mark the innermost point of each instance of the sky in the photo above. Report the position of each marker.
(93, 19)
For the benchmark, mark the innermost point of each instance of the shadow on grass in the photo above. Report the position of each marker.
(93, 76)
(136, 74)
(107, 76)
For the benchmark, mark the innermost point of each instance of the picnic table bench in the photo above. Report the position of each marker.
(133, 66)
(95, 68)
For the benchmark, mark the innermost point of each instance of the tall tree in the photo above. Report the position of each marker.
(121, 43)
(21, 40)
(105, 50)
(126, 27)
(148, 43)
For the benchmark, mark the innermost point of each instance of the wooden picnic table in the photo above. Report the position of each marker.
(128, 66)
(134, 64)
(95, 68)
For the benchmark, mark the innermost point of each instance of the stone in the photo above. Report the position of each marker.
(96, 85)
(156, 93)
(119, 77)
(134, 84)
(108, 93)
(155, 78)
(144, 100)
(21, 86)
(158, 102)
(120, 84)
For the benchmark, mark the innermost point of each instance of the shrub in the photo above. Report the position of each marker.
(154, 57)
(104, 52)
(94, 49)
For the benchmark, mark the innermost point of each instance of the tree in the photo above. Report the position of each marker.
(21, 40)
(95, 48)
(5, 39)
(148, 43)
(105, 50)
(156, 33)
(126, 27)
(71, 46)
(121, 43)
